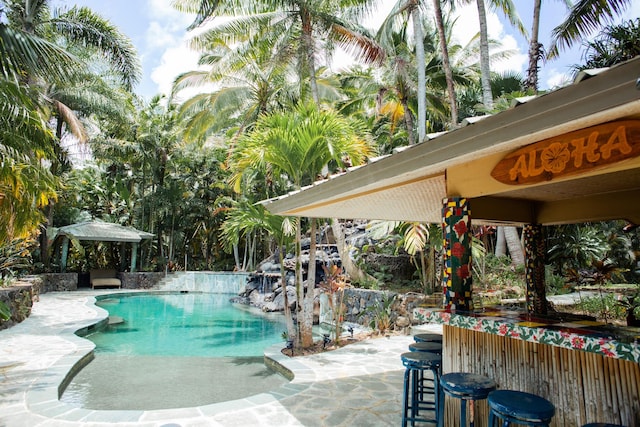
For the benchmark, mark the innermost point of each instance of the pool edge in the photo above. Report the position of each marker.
(43, 397)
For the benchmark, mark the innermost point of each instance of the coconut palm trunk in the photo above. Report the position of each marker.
(422, 78)
(514, 245)
(446, 64)
(535, 50)
(485, 68)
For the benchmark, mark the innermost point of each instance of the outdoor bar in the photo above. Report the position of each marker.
(568, 156)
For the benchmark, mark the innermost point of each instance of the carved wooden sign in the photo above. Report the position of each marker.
(569, 154)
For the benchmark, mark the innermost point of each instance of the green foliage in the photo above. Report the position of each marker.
(380, 313)
(501, 274)
(614, 44)
(575, 246)
(556, 284)
(367, 283)
(15, 258)
(5, 311)
(606, 306)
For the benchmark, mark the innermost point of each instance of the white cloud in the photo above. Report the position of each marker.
(556, 79)
(166, 33)
(157, 36)
(467, 26)
(163, 11)
(174, 61)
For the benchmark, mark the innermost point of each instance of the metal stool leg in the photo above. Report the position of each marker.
(405, 397)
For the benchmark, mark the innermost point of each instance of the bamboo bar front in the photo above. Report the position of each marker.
(585, 383)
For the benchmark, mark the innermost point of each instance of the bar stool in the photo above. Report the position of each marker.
(519, 407)
(466, 387)
(602, 425)
(416, 363)
(428, 347)
(427, 337)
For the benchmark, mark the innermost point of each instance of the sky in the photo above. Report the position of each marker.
(159, 33)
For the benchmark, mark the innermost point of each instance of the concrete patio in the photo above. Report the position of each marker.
(357, 385)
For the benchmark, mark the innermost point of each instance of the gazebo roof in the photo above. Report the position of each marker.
(410, 184)
(103, 232)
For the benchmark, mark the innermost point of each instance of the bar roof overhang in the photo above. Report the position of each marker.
(410, 185)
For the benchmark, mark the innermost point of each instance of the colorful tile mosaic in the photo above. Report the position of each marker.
(534, 249)
(584, 335)
(456, 230)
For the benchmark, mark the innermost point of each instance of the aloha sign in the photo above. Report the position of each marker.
(572, 153)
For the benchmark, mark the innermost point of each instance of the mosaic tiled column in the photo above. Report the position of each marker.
(456, 230)
(534, 250)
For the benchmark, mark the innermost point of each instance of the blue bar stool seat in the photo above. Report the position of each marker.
(428, 347)
(467, 387)
(416, 363)
(427, 337)
(519, 407)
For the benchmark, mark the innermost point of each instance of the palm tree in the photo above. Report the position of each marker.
(508, 9)
(25, 145)
(245, 218)
(614, 44)
(25, 40)
(298, 144)
(388, 37)
(446, 63)
(293, 25)
(248, 80)
(535, 48)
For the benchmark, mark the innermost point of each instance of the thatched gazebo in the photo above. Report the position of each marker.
(102, 232)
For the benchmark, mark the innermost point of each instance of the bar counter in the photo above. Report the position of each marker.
(589, 370)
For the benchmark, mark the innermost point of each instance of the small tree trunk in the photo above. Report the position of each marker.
(299, 283)
(306, 323)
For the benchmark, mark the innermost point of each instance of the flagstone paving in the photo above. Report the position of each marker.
(356, 385)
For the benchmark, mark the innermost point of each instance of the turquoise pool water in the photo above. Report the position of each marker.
(189, 324)
(175, 351)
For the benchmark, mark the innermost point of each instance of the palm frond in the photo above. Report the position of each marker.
(83, 26)
(585, 17)
(23, 52)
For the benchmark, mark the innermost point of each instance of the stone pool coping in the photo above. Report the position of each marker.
(38, 356)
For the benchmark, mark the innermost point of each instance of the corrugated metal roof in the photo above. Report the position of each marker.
(103, 232)
(411, 183)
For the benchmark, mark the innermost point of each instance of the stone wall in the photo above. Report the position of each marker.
(141, 280)
(19, 298)
(58, 282)
(357, 302)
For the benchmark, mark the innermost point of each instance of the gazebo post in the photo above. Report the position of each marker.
(134, 256)
(534, 250)
(122, 255)
(64, 254)
(456, 231)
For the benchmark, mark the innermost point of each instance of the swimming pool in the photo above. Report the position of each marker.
(176, 350)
